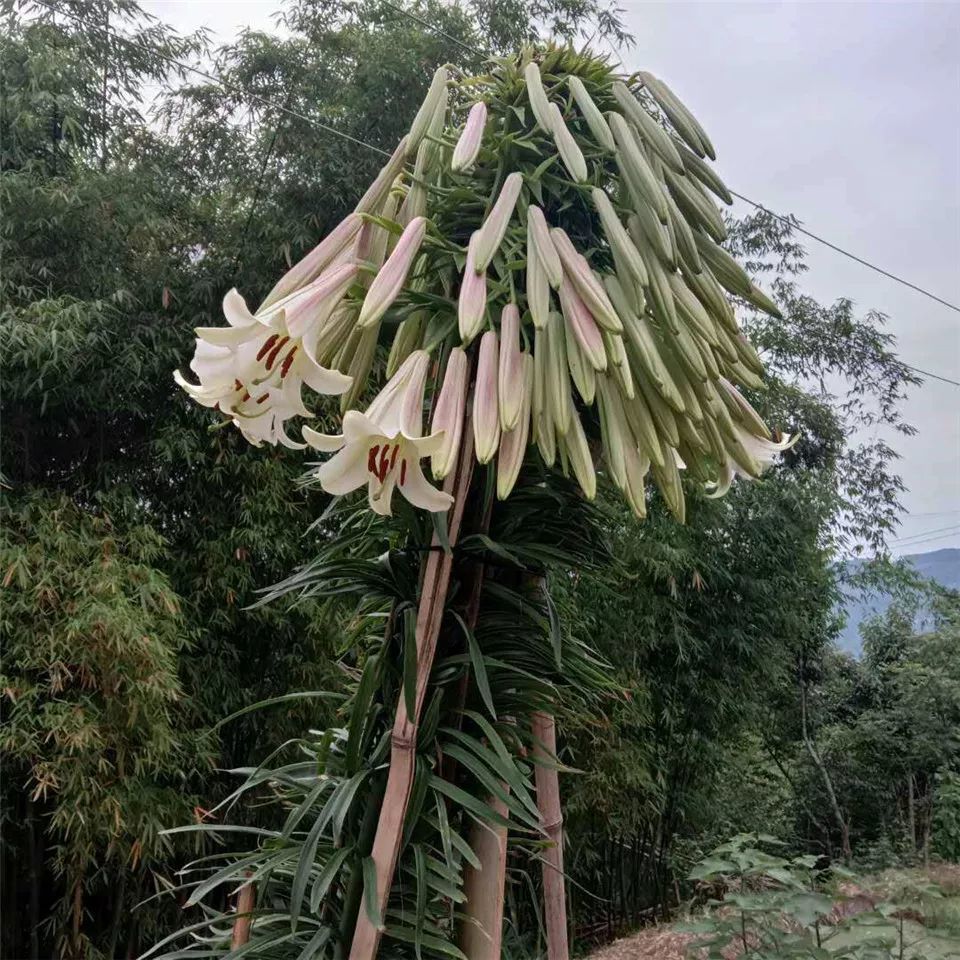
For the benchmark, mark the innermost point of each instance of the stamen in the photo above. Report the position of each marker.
(384, 465)
(261, 399)
(372, 459)
(273, 353)
(245, 397)
(403, 471)
(267, 344)
(237, 385)
(288, 360)
(393, 457)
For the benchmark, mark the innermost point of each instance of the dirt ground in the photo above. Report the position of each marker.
(662, 942)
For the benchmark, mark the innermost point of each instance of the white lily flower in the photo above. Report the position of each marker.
(383, 447)
(253, 370)
(764, 454)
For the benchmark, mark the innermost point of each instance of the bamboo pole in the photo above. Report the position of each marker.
(481, 935)
(551, 819)
(241, 926)
(433, 596)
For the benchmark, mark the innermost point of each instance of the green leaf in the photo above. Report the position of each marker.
(479, 668)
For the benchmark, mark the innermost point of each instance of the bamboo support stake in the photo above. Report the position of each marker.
(241, 926)
(433, 597)
(481, 936)
(551, 818)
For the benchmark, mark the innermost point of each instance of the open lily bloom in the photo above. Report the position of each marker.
(764, 453)
(253, 370)
(383, 447)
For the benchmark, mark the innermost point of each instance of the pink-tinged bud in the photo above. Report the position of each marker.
(486, 416)
(472, 305)
(591, 291)
(567, 147)
(316, 261)
(490, 235)
(510, 385)
(448, 414)
(468, 146)
(389, 281)
(378, 190)
(541, 418)
(538, 290)
(578, 452)
(314, 304)
(513, 444)
(583, 326)
(538, 238)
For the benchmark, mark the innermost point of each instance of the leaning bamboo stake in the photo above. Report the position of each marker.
(551, 819)
(481, 935)
(241, 926)
(433, 597)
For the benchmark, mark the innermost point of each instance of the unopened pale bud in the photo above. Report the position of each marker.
(316, 261)
(486, 415)
(468, 146)
(537, 96)
(567, 147)
(510, 376)
(490, 235)
(591, 113)
(580, 322)
(389, 281)
(472, 303)
(513, 443)
(433, 101)
(539, 240)
(448, 414)
(589, 288)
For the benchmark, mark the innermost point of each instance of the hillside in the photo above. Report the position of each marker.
(940, 565)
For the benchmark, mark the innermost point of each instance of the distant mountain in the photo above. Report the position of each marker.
(940, 565)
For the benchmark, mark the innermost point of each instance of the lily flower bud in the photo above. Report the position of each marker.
(468, 146)
(472, 304)
(433, 101)
(490, 235)
(486, 416)
(591, 290)
(591, 113)
(538, 239)
(316, 261)
(510, 374)
(575, 444)
(378, 190)
(389, 281)
(570, 152)
(513, 443)
(538, 289)
(537, 96)
(448, 414)
(580, 321)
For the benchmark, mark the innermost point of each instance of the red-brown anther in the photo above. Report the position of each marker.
(384, 464)
(372, 459)
(273, 353)
(287, 361)
(263, 398)
(265, 349)
(403, 472)
(245, 397)
(393, 456)
(237, 385)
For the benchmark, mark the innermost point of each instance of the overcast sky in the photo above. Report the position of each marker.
(846, 115)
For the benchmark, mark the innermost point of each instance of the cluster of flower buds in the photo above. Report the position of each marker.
(585, 310)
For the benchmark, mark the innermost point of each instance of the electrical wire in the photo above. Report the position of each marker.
(953, 528)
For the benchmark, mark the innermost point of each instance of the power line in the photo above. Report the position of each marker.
(362, 143)
(954, 527)
(852, 256)
(942, 536)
